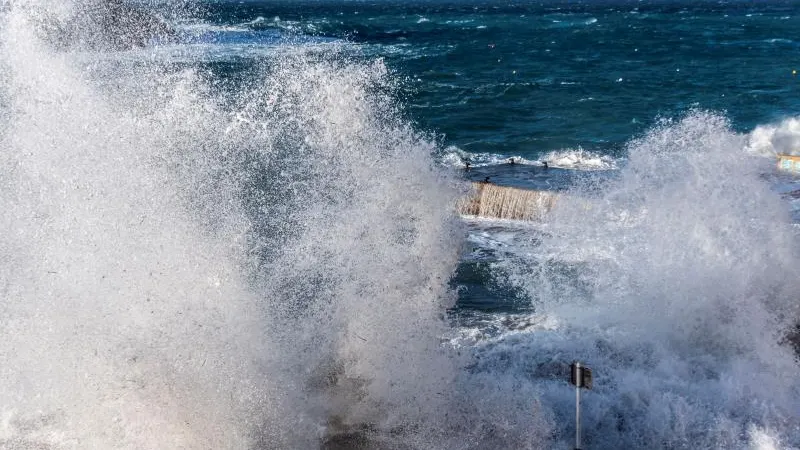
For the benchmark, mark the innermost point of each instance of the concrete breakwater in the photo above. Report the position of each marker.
(502, 202)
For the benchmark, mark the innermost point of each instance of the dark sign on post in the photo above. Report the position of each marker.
(580, 376)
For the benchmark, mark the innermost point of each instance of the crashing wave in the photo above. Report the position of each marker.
(775, 139)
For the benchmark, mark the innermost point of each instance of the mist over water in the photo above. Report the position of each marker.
(194, 263)
(125, 316)
(677, 283)
(186, 270)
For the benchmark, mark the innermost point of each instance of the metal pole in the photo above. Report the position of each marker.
(577, 418)
(578, 383)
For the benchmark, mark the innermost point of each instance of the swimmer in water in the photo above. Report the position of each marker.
(544, 163)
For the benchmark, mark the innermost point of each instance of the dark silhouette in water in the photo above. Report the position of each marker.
(544, 163)
(511, 161)
(467, 165)
(486, 180)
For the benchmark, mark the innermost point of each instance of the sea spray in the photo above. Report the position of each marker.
(677, 283)
(191, 263)
(125, 321)
(108, 292)
(360, 283)
(776, 139)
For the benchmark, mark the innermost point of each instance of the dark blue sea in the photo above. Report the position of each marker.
(527, 78)
(235, 224)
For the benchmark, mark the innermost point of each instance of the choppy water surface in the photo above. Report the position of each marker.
(233, 225)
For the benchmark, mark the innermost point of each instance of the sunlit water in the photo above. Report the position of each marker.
(243, 234)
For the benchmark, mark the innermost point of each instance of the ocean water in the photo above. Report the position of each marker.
(233, 224)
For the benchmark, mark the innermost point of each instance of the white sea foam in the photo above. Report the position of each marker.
(580, 159)
(570, 22)
(575, 159)
(456, 157)
(676, 283)
(198, 27)
(781, 138)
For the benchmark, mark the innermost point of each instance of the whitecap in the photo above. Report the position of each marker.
(774, 139)
(580, 159)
